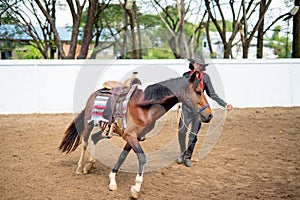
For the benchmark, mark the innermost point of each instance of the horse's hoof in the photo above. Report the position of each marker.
(141, 139)
(134, 192)
(87, 168)
(85, 171)
(108, 136)
(112, 187)
(79, 170)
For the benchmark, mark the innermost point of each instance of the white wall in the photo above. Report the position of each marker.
(59, 86)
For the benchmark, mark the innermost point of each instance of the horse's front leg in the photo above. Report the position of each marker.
(134, 143)
(112, 176)
(135, 189)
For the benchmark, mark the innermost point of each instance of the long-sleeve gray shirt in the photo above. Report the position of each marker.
(209, 89)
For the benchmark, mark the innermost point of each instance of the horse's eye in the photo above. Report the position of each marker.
(198, 92)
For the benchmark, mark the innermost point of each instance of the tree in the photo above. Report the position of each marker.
(132, 23)
(108, 24)
(240, 24)
(260, 31)
(28, 52)
(278, 43)
(214, 7)
(296, 32)
(133, 46)
(17, 13)
(121, 23)
(286, 17)
(211, 27)
(249, 35)
(88, 30)
(44, 13)
(182, 35)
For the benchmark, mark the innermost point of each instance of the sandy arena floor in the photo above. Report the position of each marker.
(256, 157)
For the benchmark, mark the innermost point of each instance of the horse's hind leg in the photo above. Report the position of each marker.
(81, 159)
(85, 136)
(89, 165)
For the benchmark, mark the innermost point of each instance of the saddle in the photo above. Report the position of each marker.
(116, 95)
(110, 107)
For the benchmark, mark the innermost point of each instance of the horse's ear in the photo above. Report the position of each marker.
(193, 77)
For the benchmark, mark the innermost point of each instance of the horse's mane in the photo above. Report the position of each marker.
(163, 92)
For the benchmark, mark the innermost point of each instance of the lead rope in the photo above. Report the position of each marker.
(180, 115)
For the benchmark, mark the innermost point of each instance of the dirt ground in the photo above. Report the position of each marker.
(256, 157)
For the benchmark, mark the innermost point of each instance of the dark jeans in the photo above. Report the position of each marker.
(188, 117)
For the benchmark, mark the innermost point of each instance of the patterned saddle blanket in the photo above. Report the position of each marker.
(110, 106)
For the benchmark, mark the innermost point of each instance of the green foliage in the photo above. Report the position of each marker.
(149, 20)
(279, 43)
(114, 16)
(213, 28)
(155, 35)
(156, 53)
(28, 52)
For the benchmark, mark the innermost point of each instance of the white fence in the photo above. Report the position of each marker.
(63, 86)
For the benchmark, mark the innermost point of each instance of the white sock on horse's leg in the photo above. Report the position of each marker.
(112, 181)
(135, 189)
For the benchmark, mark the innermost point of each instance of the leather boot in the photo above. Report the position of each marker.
(188, 162)
(181, 158)
(182, 144)
(190, 150)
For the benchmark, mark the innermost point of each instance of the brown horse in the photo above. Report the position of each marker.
(144, 108)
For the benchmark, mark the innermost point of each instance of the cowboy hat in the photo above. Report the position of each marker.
(200, 61)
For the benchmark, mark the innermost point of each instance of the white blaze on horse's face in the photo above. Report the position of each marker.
(198, 100)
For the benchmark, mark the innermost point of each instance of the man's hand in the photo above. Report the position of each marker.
(229, 107)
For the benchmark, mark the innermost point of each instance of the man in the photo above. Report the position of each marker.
(189, 117)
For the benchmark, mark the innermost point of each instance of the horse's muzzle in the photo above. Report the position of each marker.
(206, 119)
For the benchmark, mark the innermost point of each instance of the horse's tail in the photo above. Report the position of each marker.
(72, 138)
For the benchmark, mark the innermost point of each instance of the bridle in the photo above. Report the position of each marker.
(202, 108)
(185, 98)
(199, 111)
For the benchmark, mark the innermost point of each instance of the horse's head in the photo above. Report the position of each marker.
(197, 100)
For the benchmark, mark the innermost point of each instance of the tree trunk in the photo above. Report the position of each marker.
(76, 16)
(296, 33)
(260, 32)
(51, 21)
(51, 35)
(139, 35)
(133, 35)
(221, 30)
(123, 49)
(88, 30)
(244, 35)
(183, 48)
(246, 49)
(227, 50)
(74, 39)
(211, 51)
(173, 46)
